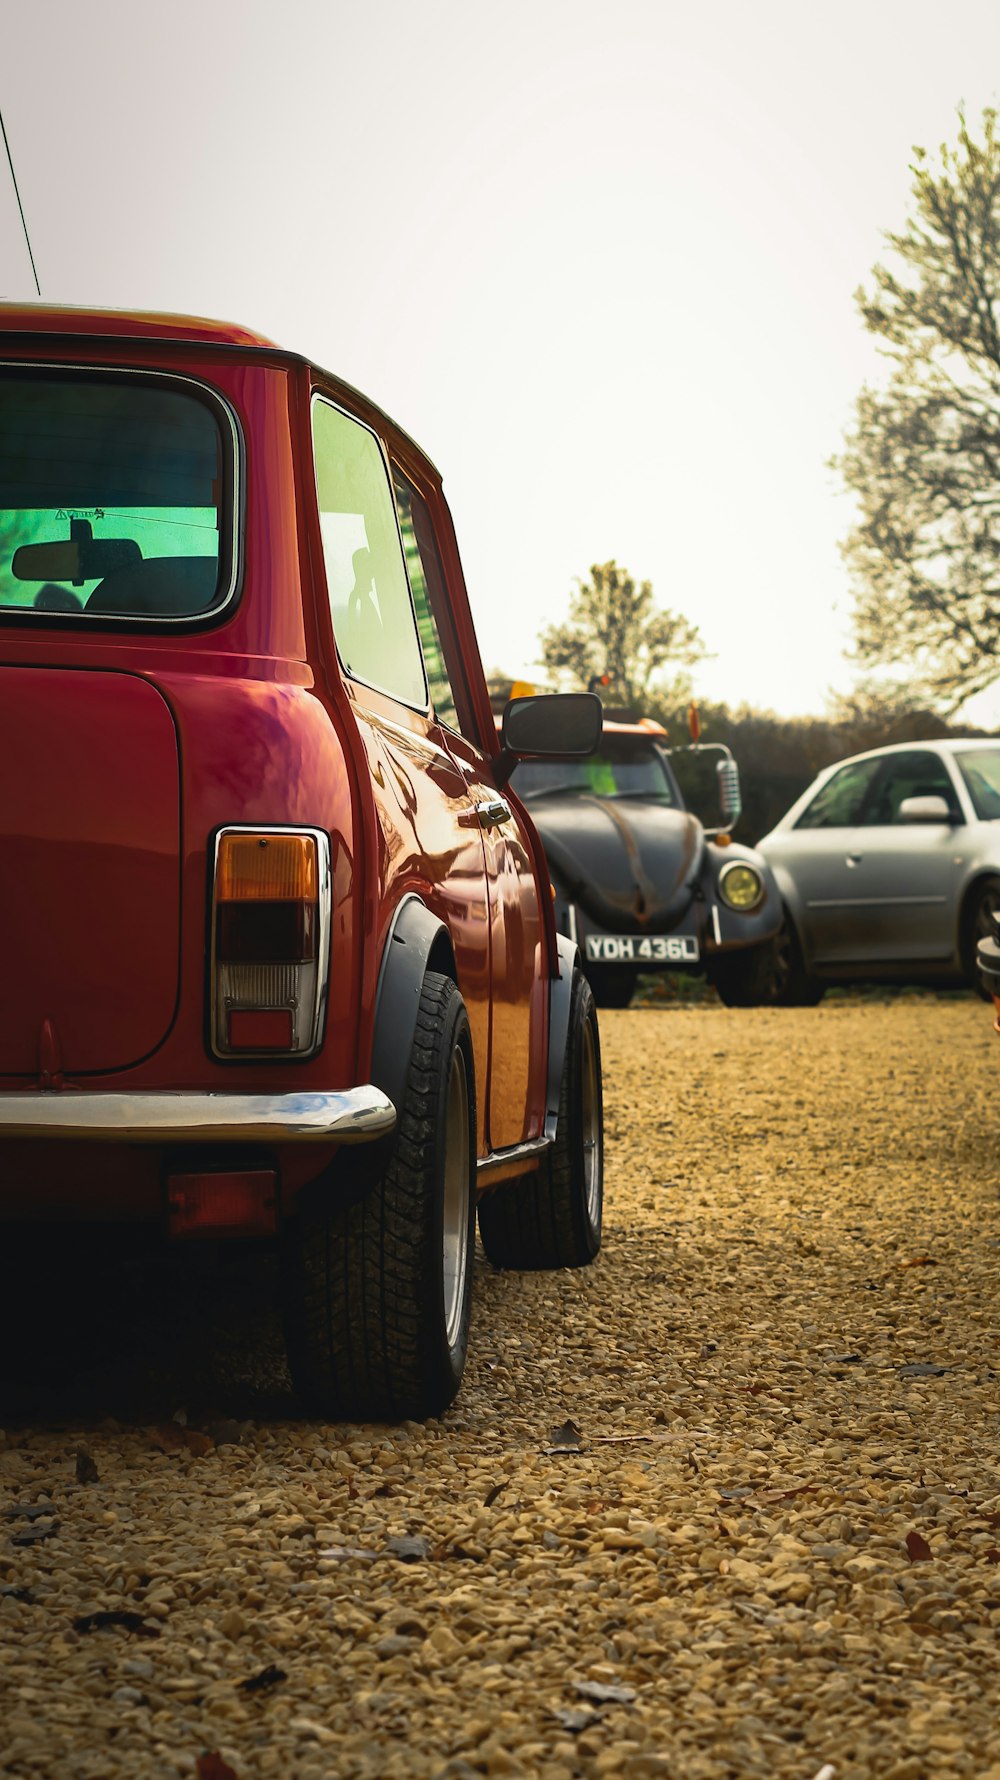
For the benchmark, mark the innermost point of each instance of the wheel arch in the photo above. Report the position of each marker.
(560, 1002)
(983, 875)
(417, 941)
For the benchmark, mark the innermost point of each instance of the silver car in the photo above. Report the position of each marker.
(888, 867)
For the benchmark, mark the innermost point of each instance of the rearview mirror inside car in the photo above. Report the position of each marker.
(73, 559)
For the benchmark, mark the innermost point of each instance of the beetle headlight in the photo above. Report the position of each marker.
(741, 886)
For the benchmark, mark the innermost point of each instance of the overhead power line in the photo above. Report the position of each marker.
(20, 206)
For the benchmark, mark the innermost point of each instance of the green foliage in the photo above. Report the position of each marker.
(924, 455)
(616, 628)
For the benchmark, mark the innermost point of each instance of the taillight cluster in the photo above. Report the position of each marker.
(270, 941)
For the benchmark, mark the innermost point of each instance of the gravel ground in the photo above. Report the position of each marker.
(725, 1504)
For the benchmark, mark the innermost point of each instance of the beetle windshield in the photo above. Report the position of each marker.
(980, 768)
(623, 766)
(112, 498)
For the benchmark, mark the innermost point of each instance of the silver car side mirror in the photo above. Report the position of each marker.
(924, 809)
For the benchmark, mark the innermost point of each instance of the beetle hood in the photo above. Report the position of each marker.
(631, 863)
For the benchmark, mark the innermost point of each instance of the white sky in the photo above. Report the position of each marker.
(599, 260)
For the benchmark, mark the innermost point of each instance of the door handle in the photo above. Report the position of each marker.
(493, 811)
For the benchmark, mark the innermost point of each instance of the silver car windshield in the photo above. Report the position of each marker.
(980, 768)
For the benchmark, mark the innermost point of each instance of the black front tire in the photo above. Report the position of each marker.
(552, 1218)
(377, 1293)
(772, 974)
(747, 978)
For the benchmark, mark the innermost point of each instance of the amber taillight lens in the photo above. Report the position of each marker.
(270, 941)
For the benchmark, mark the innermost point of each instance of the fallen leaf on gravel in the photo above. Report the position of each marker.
(342, 1553)
(605, 1692)
(268, 1677)
(922, 1370)
(627, 1439)
(211, 1766)
(576, 1718)
(917, 1546)
(992, 1556)
(491, 1495)
(410, 1548)
(565, 1439)
(86, 1470)
(30, 1511)
(172, 1437)
(10, 1592)
(919, 1261)
(115, 1616)
(35, 1535)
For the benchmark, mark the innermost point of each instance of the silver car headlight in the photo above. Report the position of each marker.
(741, 886)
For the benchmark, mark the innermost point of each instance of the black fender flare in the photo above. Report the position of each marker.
(560, 1002)
(417, 942)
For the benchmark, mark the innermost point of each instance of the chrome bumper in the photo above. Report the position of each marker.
(356, 1116)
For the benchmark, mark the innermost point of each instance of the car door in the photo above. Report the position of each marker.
(429, 840)
(517, 1000)
(907, 874)
(817, 858)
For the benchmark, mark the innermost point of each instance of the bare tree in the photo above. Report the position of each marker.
(924, 455)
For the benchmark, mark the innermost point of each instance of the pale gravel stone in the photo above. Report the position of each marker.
(742, 1569)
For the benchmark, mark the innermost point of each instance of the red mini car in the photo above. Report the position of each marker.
(281, 952)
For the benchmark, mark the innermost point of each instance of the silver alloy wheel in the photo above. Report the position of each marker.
(590, 1123)
(455, 1216)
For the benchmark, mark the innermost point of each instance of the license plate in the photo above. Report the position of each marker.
(629, 948)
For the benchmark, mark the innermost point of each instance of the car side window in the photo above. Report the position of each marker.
(839, 802)
(373, 618)
(430, 599)
(907, 775)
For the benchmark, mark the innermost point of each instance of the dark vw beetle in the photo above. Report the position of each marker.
(640, 885)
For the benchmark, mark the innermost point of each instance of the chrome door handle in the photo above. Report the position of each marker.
(492, 811)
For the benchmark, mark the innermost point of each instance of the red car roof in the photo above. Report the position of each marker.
(53, 318)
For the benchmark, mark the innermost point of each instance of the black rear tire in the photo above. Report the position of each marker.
(611, 985)
(552, 1218)
(377, 1293)
(978, 925)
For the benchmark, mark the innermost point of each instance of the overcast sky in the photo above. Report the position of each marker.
(598, 259)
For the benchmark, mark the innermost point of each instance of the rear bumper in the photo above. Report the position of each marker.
(356, 1116)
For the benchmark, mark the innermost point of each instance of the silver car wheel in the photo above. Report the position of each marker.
(455, 1210)
(590, 1122)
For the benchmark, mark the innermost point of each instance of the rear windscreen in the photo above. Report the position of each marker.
(114, 498)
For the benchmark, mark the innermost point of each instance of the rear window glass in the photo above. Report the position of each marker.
(114, 499)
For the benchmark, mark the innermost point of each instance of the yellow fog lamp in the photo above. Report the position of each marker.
(741, 886)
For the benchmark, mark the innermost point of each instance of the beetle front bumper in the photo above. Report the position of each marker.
(168, 1117)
